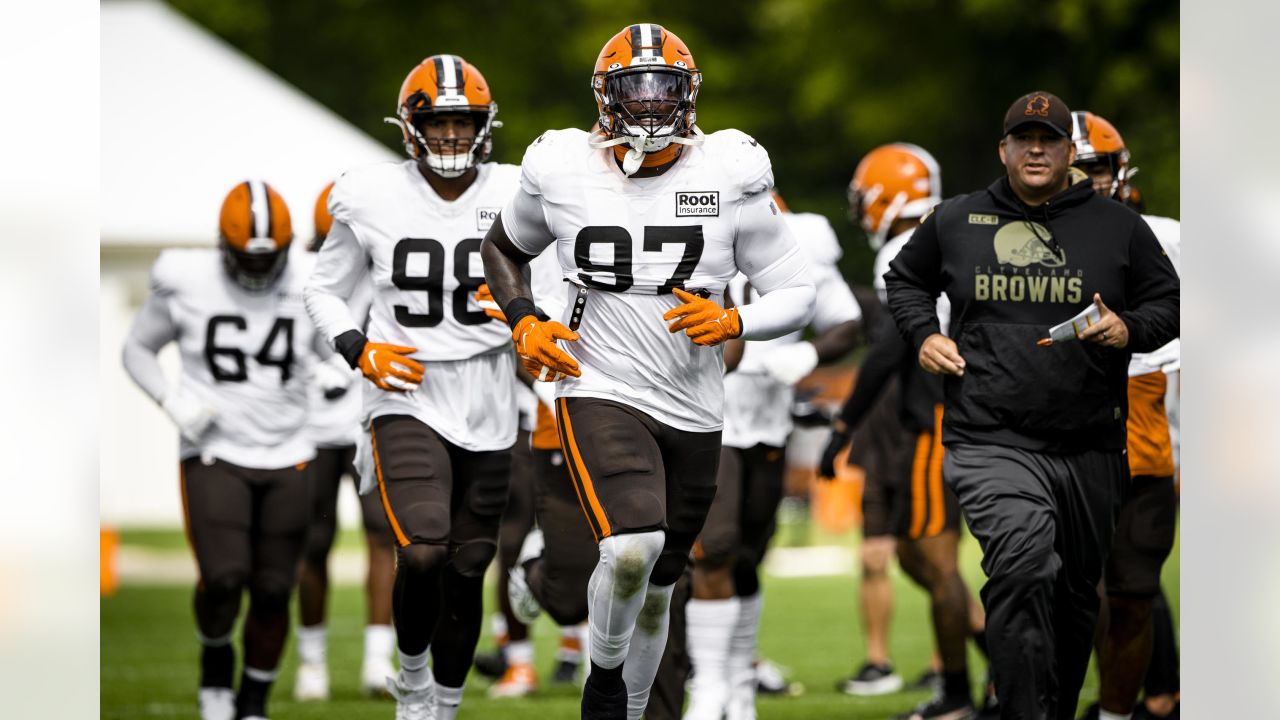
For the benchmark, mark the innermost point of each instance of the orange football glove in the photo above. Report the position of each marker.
(703, 320)
(390, 367)
(485, 300)
(536, 344)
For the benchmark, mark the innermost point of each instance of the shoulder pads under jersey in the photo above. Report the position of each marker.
(552, 152)
(353, 190)
(743, 159)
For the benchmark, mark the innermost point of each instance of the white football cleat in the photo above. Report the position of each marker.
(373, 675)
(311, 683)
(524, 605)
(411, 704)
(217, 704)
(520, 680)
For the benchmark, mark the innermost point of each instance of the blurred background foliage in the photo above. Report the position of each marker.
(818, 82)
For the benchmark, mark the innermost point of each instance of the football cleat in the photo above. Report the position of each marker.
(930, 680)
(311, 683)
(940, 708)
(491, 664)
(566, 673)
(217, 703)
(413, 704)
(871, 680)
(771, 680)
(374, 672)
(518, 681)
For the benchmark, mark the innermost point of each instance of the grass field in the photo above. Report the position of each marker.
(149, 653)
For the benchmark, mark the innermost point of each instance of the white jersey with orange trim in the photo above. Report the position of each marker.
(1169, 232)
(757, 408)
(627, 242)
(248, 355)
(420, 254)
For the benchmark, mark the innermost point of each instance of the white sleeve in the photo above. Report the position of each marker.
(152, 329)
(525, 223)
(834, 303)
(767, 253)
(340, 266)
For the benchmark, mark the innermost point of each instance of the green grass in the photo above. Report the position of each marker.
(149, 654)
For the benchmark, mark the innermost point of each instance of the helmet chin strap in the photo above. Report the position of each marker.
(636, 157)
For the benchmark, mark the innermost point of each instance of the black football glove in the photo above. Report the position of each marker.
(840, 436)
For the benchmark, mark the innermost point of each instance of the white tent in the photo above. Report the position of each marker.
(184, 118)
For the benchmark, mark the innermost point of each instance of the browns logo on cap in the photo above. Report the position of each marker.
(1040, 108)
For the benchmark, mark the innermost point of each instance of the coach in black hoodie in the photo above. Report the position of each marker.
(1035, 434)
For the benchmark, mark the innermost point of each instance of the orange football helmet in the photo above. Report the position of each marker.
(893, 181)
(446, 84)
(324, 220)
(646, 88)
(1098, 142)
(254, 233)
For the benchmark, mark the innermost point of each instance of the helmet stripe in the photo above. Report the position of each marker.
(636, 41)
(259, 209)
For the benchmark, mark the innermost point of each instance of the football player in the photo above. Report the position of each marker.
(1145, 531)
(893, 187)
(651, 219)
(240, 405)
(439, 407)
(723, 616)
(335, 422)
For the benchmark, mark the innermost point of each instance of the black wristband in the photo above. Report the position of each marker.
(518, 309)
(349, 345)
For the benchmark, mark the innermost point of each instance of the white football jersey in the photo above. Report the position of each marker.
(757, 408)
(628, 242)
(1169, 232)
(424, 255)
(335, 423)
(420, 255)
(247, 355)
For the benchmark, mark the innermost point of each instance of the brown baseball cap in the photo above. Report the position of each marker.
(1041, 108)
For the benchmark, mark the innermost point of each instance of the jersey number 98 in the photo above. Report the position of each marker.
(433, 282)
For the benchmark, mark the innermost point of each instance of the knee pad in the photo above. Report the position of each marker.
(631, 558)
(421, 558)
(566, 608)
(670, 566)
(269, 597)
(320, 541)
(220, 586)
(472, 558)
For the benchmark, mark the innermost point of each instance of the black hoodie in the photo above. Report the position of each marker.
(1011, 272)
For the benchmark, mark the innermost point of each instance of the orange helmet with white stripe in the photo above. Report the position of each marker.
(323, 220)
(446, 84)
(254, 233)
(893, 181)
(1099, 143)
(646, 88)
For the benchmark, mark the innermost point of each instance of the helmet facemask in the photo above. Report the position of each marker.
(257, 266)
(447, 157)
(646, 109)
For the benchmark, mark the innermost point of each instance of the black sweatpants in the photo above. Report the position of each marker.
(1044, 522)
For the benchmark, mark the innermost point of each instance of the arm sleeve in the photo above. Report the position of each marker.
(1152, 293)
(524, 221)
(886, 354)
(339, 268)
(768, 255)
(152, 329)
(915, 281)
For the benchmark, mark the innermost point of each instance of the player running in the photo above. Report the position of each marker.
(240, 405)
(335, 423)
(894, 187)
(439, 408)
(1145, 531)
(650, 219)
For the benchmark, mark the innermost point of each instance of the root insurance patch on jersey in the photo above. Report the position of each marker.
(698, 204)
